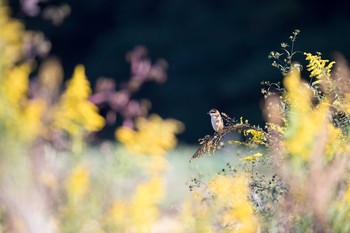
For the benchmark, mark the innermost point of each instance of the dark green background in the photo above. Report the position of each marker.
(217, 49)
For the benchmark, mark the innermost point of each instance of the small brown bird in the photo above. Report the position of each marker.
(216, 120)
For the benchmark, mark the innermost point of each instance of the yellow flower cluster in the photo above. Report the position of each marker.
(304, 121)
(154, 136)
(347, 195)
(334, 142)
(141, 212)
(195, 216)
(298, 95)
(277, 128)
(79, 206)
(78, 183)
(231, 197)
(317, 66)
(10, 38)
(252, 157)
(75, 113)
(15, 85)
(21, 117)
(258, 136)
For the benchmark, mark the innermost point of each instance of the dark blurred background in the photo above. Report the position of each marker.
(217, 49)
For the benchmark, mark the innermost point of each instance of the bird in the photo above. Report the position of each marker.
(216, 120)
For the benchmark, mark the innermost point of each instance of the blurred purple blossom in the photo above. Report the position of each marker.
(119, 99)
(54, 13)
(142, 69)
(35, 45)
(30, 7)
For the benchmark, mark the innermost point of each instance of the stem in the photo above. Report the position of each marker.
(78, 143)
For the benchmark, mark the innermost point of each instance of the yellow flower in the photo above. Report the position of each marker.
(317, 66)
(21, 117)
(276, 128)
(141, 211)
(258, 136)
(252, 157)
(302, 133)
(78, 183)
(31, 123)
(154, 136)
(334, 141)
(118, 213)
(347, 195)
(75, 112)
(143, 208)
(11, 35)
(15, 85)
(194, 215)
(297, 95)
(304, 120)
(231, 196)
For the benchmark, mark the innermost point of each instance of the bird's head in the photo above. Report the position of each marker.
(214, 112)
